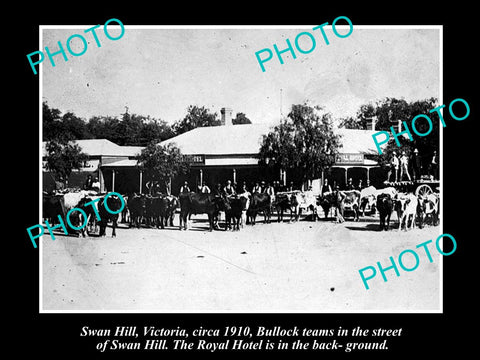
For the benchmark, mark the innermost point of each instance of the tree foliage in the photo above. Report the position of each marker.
(63, 158)
(241, 118)
(130, 129)
(162, 162)
(304, 141)
(197, 116)
(388, 112)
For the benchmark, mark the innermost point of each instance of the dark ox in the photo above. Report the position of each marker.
(428, 209)
(259, 202)
(234, 215)
(91, 220)
(53, 205)
(114, 204)
(136, 207)
(327, 201)
(200, 203)
(286, 202)
(385, 208)
(343, 201)
(172, 206)
(156, 211)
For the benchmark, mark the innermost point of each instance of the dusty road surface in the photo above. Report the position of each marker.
(278, 267)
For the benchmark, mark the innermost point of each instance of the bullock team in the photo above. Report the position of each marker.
(158, 210)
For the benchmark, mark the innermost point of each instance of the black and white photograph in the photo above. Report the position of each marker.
(284, 180)
(243, 190)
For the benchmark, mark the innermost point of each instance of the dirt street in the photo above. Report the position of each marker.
(278, 267)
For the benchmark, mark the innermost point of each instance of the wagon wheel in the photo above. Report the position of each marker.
(423, 190)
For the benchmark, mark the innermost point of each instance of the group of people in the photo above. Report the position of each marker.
(327, 188)
(232, 189)
(399, 166)
(91, 183)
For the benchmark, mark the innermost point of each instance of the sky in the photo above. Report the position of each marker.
(160, 71)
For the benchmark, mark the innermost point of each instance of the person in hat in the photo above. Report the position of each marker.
(185, 188)
(262, 186)
(88, 182)
(393, 167)
(229, 190)
(416, 163)
(404, 166)
(203, 188)
(326, 188)
(350, 185)
(270, 191)
(257, 188)
(434, 165)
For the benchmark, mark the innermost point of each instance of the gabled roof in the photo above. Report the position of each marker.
(103, 147)
(221, 140)
(247, 138)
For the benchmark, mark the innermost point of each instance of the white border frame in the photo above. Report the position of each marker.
(160, 311)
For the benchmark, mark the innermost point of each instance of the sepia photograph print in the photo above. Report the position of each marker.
(242, 169)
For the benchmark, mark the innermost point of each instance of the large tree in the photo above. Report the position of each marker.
(62, 158)
(162, 163)
(388, 112)
(197, 116)
(304, 142)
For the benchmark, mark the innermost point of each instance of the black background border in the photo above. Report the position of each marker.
(449, 333)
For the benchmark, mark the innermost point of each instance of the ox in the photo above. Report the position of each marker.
(136, 207)
(233, 216)
(156, 211)
(327, 201)
(350, 201)
(259, 202)
(304, 201)
(201, 203)
(114, 204)
(91, 220)
(385, 208)
(406, 208)
(428, 209)
(53, 205)
(369, 195)
(284, 202)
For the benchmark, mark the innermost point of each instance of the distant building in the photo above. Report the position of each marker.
(220, 153)
(105, 160)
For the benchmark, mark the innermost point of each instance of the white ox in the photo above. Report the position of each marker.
(428, 208)
(305, 200)
(368, 196)
(76, 199)
(406, 208)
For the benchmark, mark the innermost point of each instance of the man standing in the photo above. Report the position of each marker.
(326, 188)
(350, 185)
(393, 167)
(270, 191)
(404, 166)
(434, 166)
(229, 190)
(257, 188)
(203, 188)
(416, 162)
(184, 189)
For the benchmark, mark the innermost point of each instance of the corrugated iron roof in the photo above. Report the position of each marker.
(247, 138)
(221, 140)
(103, 147)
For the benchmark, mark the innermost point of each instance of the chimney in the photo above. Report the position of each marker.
(226, 116)
(371, 123)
